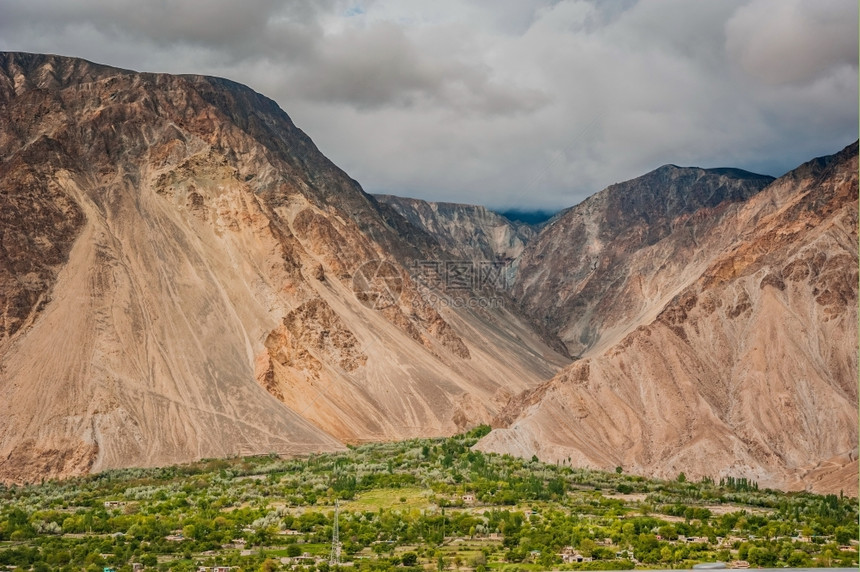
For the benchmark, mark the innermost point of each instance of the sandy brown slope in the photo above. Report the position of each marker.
(750, 370)
(178, 262)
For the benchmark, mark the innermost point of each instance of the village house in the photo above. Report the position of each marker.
(571, 556)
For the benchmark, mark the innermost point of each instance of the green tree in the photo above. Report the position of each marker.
(587, 546)
(844, 535)
(799, 559)
(666, 554)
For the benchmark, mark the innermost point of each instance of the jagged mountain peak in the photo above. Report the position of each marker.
(683, 189)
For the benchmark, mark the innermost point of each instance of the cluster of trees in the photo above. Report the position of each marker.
(523, 511)
(738, 484)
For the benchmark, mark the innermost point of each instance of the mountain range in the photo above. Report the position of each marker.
(183, 274)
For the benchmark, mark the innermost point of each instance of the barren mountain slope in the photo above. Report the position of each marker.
(469, 232)
(179, 261)
(626, 251)
(750, 371)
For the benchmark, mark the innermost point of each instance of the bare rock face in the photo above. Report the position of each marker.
(177, 281)
(467, 232)
(600, 267)
(39, 224)
(750, 369)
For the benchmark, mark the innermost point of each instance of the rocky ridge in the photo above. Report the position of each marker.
(626, 250)
(468, 232)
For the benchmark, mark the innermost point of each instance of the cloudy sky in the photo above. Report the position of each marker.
(507, 103)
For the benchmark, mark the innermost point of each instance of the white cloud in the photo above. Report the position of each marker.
(505, 103)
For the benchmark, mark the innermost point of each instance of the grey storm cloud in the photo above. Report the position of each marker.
(379, 66)
(508, 103)
(230, 29)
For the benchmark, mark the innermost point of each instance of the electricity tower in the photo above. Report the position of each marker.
(334, 559)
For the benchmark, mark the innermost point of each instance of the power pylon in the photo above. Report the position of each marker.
(334, 559)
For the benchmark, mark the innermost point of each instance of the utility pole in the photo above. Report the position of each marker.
(334, 559)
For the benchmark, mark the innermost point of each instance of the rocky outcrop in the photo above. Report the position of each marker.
(750, 369)
(178, 281)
